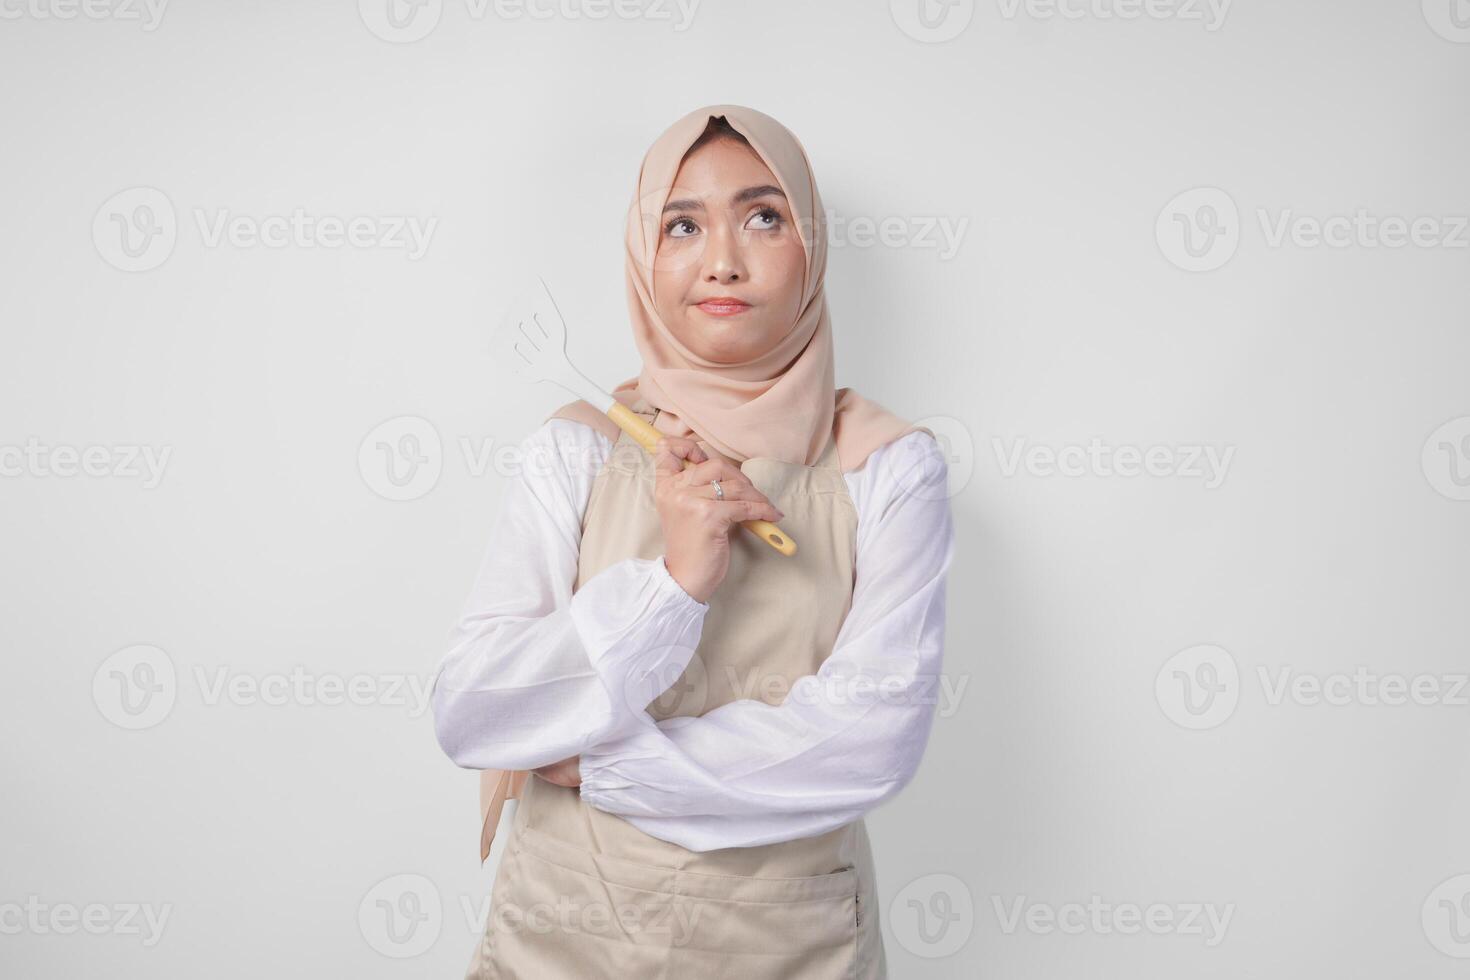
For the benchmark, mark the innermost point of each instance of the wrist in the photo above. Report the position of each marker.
(695, 592)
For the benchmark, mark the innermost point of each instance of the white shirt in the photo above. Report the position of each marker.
(536, 674)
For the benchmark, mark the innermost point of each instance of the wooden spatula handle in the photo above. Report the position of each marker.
(647, 437)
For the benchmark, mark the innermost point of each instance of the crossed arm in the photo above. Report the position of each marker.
(537, 674)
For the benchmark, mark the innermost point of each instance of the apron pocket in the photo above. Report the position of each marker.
(573, 914)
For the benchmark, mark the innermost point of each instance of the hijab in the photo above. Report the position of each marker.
(782, 404)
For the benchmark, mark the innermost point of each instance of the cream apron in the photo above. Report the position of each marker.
(582, 894)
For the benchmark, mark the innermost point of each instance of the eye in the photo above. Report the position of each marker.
(765, 219)
(680, 227)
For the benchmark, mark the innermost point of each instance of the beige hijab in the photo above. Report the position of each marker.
(782, 404)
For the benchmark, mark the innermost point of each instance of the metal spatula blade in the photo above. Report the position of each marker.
(532, 342)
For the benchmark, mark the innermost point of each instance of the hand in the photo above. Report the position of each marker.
(696, 525)
(567, 772)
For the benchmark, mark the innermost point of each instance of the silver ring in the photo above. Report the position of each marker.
(719, 490)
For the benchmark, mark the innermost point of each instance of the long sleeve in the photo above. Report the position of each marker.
(845, 739)
(535, 673)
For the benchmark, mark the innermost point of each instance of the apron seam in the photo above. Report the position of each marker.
(674, 892)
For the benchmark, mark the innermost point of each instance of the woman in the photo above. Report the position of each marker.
(707, 720)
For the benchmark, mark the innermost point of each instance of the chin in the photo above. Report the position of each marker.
(727, 341)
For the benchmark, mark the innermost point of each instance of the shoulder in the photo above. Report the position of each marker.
(578, 424)
(912, 470)
(586, 415)
(917, 450)
(565, 449)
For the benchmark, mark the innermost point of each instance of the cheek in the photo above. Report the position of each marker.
(670, 285)
(786, 266)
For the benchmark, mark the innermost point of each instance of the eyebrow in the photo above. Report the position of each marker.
(749, 194)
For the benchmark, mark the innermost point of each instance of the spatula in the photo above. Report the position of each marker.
(533, 341)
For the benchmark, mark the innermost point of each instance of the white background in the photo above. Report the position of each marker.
(1072, 765)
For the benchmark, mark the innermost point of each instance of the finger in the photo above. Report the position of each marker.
(715, 469)
(684, 447)
(714, 507)
(732, 491)
(670, 452)
(734, 512)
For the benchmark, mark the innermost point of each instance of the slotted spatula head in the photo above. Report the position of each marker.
(532, 341)
(533, 336)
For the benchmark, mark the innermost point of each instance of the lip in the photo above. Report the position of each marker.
(724, 306)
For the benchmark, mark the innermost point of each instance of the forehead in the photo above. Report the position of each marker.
(721, 168)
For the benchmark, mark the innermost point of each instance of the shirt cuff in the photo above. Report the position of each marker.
(594, 776)
(639, 629)
(601, 783)
(667, 581)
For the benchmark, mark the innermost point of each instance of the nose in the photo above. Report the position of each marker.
(724, 255)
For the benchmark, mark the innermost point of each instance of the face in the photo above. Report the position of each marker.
(728, 274)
